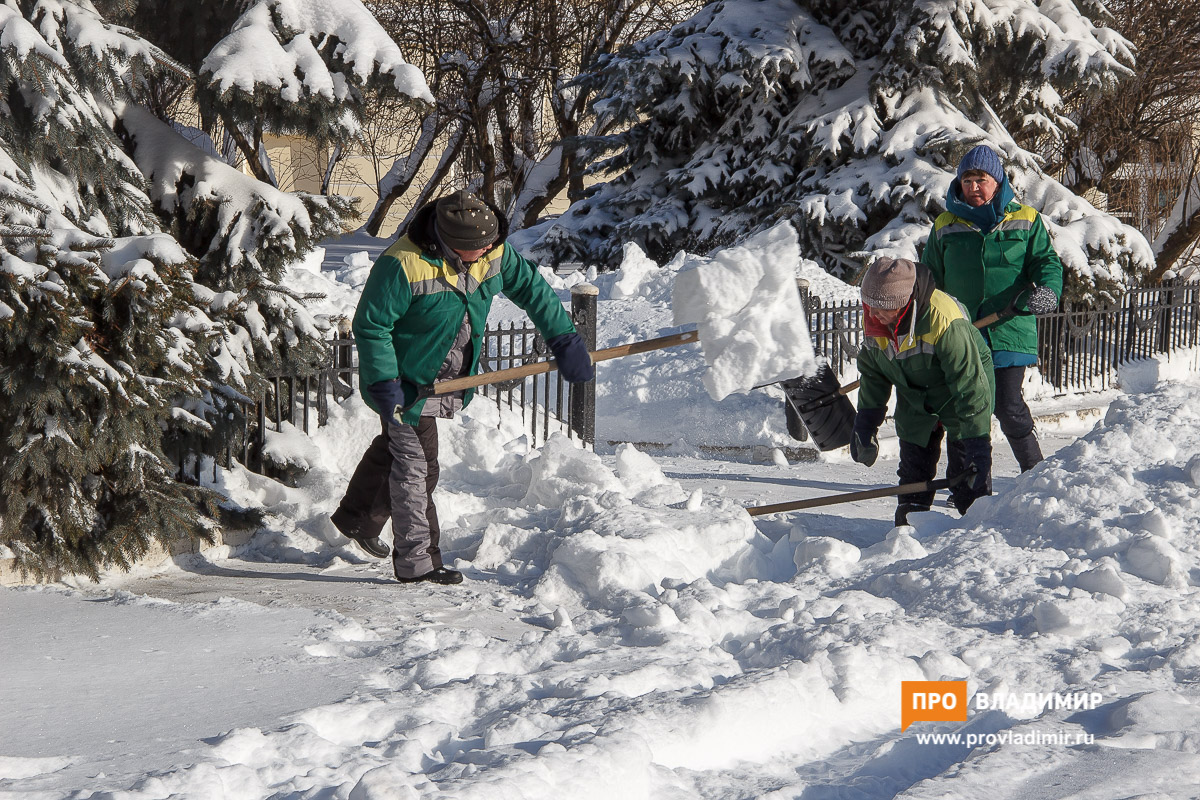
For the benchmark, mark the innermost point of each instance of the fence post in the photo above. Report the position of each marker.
(1166, 297)
(583, 395)
(795, 425)
(343, 360)
(802, 287)
(260, 435)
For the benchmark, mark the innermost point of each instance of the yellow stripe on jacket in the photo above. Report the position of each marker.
(426, 277)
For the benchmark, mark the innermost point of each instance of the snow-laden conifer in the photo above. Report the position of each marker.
(142, 291)
(848, 119)
(90, 365)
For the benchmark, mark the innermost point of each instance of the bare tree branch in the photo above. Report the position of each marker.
(506, 66)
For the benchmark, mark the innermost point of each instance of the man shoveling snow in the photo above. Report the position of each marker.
(921, 341)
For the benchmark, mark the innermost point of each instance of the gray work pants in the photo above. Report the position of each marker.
(415, 529)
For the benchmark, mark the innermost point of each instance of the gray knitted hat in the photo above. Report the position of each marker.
(464, 222)
(888, 283)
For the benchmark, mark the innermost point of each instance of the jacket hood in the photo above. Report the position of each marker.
(420, 230)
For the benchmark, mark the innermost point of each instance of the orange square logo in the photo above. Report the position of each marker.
(932, 701)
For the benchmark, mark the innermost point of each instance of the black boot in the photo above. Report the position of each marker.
(904, 509)
(351, 529)
(443, 575)
(1027, 451)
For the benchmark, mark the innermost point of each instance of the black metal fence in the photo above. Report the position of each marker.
(1079, 349)
(546, 402)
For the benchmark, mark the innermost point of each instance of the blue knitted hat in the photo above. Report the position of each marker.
(982, 158)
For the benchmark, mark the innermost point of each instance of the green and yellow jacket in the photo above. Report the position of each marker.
(985, 271)
(938, 363)
(413, 304)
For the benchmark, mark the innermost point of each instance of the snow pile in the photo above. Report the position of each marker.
(1098, 540)
(621, 636)
(624, 634)
(752, 326)
(1144, 374)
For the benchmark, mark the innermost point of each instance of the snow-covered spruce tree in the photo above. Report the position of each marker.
(123, 315)
(277, 66)
(848, 119)
(89, 362)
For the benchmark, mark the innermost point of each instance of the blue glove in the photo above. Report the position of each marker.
(977, 452)
(571, 354)
(864, 442)
(389, 397)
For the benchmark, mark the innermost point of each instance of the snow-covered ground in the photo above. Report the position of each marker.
(626, 630)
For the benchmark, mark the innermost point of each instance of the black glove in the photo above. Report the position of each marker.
(864, 442)
(571, 354)
(977, 452)
(389, 396)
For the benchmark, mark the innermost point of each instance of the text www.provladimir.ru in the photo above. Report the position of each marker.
(1059, 738)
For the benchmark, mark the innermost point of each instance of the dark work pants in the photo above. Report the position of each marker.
(415, 530)
(919, 463)
(368, 497)
(1015, 419)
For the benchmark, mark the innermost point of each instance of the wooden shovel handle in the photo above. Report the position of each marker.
(539, 367)
(850, 497)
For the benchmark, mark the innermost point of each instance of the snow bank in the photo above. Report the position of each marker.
(1145, 374)
(620, 635)
(657, 642)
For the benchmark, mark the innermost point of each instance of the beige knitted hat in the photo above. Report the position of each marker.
(888, 283)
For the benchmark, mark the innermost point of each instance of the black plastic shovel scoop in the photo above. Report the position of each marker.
(819, 404)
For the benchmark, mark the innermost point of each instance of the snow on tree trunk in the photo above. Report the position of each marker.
(1182, 229)
(849, 121)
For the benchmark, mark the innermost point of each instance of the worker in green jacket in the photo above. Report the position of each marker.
(421, 319)
(985, 250)
(920, 341)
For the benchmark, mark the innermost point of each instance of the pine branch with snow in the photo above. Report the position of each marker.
(85, 384)
(303, 66)
(243, 231)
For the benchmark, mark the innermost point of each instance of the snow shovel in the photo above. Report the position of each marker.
(867, 494)
(539, 367)
(819, 404)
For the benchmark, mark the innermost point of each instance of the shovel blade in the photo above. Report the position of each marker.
(825, 412)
